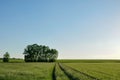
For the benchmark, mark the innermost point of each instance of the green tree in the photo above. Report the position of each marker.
(40, 53)
(54, 55)
(6, 57)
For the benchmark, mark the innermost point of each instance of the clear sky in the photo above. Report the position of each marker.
(81, 29)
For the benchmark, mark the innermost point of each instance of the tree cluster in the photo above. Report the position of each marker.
(39, 53)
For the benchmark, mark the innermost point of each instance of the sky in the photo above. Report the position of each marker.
(78, 29)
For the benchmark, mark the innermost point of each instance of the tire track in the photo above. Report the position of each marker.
(68, 74)
(58, 74)
(74, 70)
(53, 73)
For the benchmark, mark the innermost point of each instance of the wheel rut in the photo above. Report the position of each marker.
(58, 73)
(53, 73)
(79, 75)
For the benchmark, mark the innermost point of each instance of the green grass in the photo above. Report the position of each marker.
(87, 61)
(72, 61)
(102, 71)
(75, 75)
(59, 74)
(26, 71)
(17, 69)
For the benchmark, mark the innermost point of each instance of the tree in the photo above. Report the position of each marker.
(40, 53)
(6, 57)
(52, 55)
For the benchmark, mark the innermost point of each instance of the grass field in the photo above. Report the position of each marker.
(26, 71)
(61, 70)
(87, 61)
(100, 71)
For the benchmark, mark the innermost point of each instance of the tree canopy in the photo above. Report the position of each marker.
(6, 57)
(40, 53)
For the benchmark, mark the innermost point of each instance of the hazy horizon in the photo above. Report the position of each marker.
(78, 29)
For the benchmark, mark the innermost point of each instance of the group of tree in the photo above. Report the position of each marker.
(39, 53)
(36, 53)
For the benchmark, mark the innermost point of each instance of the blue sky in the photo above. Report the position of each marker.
(81, 29)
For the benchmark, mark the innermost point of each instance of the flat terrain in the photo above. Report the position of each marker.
(61, 70)
(87, 61)
(100, 71)
(26, 71)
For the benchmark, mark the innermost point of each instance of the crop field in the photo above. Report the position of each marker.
(94, 71)
(60, 70)
(26, 71)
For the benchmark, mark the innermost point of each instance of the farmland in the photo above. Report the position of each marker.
(99, 71)
(61, 70)
(26, 71)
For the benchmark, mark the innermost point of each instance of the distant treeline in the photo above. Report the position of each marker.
(13, 60)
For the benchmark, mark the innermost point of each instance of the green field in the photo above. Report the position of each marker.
(26, 71)
(61, 70)
(87, 61)
(99, 71)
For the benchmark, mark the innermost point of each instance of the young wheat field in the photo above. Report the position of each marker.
(26, 71)
(61, 70)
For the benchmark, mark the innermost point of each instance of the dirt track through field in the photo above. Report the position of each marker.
(55, 76)
(53, 73)
(70, 75)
